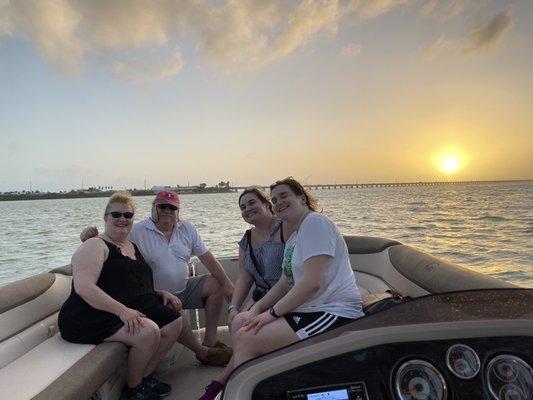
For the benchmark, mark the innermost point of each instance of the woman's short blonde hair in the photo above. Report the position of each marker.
(121, 198)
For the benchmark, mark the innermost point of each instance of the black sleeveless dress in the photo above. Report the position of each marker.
(128, 281)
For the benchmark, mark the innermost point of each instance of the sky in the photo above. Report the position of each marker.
(128, 93)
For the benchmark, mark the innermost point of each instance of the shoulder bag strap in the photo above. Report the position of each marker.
(254, 260)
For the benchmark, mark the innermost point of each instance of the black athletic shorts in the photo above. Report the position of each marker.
(309, 324)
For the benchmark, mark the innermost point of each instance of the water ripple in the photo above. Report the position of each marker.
(485, 227)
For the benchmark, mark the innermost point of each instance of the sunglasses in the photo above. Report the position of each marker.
(167, 206)
(117, 214)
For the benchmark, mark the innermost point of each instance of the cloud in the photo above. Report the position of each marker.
(6, 24)
(142, 40)
(482, 37)
(239, 33)
(369, 9)
(51, 26)
(119, 24)
(444, 9)
(436, 47)
(351, 50)
(309, 19)
(253, 33)
(138, 70)
(488, 34)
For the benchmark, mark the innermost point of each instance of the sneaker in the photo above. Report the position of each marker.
(141, 392)
(212, 390)
(215, 357)
(162, 389)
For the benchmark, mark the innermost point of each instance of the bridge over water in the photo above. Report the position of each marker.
(316, 186)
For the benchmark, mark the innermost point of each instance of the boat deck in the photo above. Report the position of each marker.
(188, 376)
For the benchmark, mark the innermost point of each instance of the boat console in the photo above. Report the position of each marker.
(462, 345)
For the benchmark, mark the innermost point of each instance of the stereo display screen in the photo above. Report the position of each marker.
(330, 395)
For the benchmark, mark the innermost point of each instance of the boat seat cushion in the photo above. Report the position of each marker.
(101, 370)
(36, 299)
(82, 378)
(28, 375)
(21, 292)
(369, 284)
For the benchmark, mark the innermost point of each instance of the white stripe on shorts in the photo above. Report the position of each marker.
(318, 326)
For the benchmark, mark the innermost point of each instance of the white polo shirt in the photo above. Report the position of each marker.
(168, 259)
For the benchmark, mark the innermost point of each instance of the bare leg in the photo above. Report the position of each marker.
(223, 376)
(270, 337)
(189, 340)
(214, 299)
(169, 334)
(142, 347)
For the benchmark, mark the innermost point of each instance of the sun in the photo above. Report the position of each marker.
(449, 164)
(450, 159)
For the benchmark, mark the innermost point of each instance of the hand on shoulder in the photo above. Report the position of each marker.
(94, 243)
(88, 232)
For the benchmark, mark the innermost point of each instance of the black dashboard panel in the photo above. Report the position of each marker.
(375, 367)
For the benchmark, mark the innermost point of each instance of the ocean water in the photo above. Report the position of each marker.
(487, 227)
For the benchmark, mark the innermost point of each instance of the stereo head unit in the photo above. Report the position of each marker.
(343, 391)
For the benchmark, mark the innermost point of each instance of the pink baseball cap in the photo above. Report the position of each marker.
(166, 197)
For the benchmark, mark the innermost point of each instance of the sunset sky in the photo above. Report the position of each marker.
(116, 92)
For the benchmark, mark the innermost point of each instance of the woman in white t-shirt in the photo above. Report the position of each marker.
(317, 290)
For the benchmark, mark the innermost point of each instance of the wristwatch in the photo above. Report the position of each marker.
(273, 313)
(232, 307)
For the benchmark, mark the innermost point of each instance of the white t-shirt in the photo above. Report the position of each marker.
(339, 294)
(168, 259)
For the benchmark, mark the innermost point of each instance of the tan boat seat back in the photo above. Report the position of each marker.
(29, 313)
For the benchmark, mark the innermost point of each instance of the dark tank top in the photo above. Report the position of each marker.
(123, 278)
(126, 280)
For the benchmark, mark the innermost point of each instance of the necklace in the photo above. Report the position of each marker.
(300, 220)
(118, 246)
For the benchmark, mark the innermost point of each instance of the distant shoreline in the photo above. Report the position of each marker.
(78, 194)
(84, 194)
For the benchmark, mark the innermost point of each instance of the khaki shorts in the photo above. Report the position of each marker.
(191, 297)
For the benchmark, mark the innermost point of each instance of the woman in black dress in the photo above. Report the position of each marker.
(113, 299)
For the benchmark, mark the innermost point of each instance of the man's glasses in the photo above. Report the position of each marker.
(167, 206)
(117, 214)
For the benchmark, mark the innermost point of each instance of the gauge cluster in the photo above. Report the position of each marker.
(462, 361)
(419, 379)
(475, 368)
(507, 377)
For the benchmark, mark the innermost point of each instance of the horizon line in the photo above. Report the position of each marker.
(356, 184)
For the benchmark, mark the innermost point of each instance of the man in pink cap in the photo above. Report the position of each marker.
(167, 244)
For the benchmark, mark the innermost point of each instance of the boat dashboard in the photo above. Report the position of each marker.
(452, 346)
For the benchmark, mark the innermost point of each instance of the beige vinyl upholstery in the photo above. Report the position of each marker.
(29, 336)
(28, 324)
(30, 341)
(24, 290)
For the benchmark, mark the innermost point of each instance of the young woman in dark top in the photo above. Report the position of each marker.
(260, 258)
(113, 299)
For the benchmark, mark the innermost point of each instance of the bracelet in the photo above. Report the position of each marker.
(273, 313)
(232, 307)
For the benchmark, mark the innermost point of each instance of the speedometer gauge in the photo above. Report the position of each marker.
(509, 378)
(462, 361)
(419, 380)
